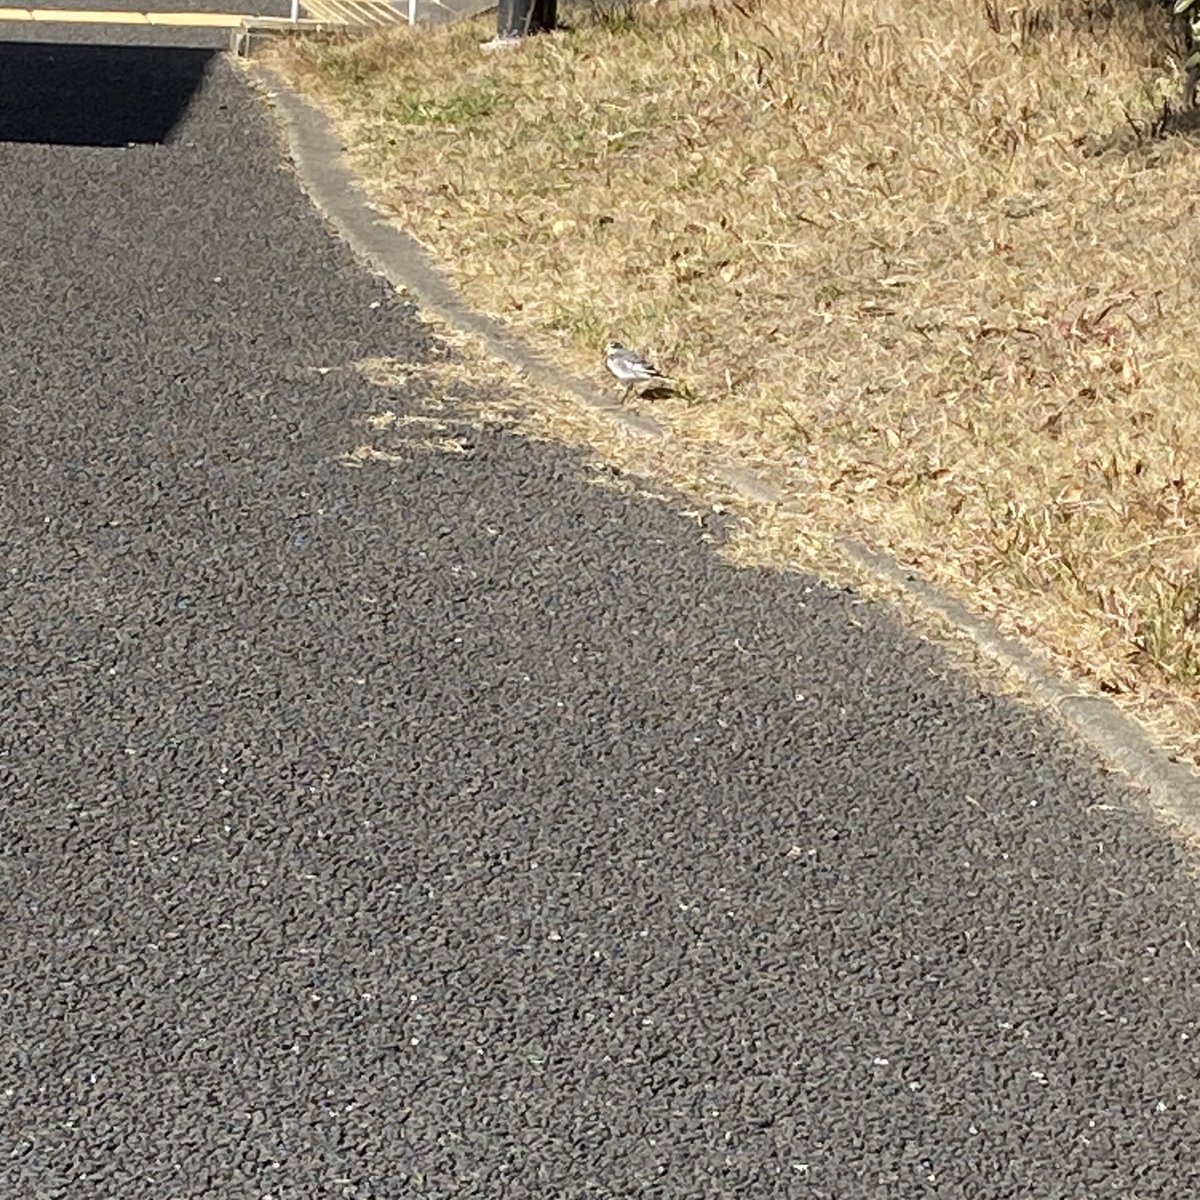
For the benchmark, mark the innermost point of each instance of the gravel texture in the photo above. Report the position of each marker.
(452, 827)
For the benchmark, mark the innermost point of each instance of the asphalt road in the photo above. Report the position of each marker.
(452, 827)
(57, 33)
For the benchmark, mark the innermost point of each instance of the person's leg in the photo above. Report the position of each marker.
(515, 18)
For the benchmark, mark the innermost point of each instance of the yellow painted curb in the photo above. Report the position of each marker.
(213, 20)
(83, 16)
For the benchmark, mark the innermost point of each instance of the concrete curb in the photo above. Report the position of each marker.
(1172, 787)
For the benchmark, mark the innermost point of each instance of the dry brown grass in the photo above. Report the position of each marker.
(916, 261)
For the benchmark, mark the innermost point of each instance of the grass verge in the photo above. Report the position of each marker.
(926, 266)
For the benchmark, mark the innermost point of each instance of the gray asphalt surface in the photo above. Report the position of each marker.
(53, 33)
(453, 827)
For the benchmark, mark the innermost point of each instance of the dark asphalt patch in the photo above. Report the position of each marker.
(451, 827)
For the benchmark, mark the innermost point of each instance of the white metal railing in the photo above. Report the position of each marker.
(434, 11)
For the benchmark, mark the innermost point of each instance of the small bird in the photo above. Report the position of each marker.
(629, 366)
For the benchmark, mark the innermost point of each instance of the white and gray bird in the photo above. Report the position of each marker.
(629, 366)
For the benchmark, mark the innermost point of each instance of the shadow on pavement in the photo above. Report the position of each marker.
(77, 95)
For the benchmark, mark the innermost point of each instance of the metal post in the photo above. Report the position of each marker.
(412, 12)
(295, 11)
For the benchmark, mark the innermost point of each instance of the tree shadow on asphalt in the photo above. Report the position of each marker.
(76, 95)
